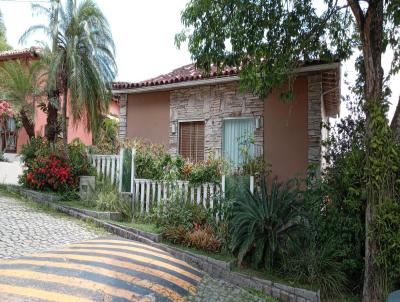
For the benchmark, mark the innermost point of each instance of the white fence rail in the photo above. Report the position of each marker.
(147, 193)
(107, 166)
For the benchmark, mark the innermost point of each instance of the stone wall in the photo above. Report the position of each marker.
(314, 118)
(212, 104)
(123, 99)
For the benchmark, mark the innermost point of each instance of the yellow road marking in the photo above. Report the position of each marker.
(38, 293)
(160, 289)
(131, 243)
(133, 249)
(73, 281)
(138, 258)
(139, 268)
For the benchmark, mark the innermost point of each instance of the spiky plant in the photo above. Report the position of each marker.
(266, 223)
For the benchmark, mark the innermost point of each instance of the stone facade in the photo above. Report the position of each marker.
(213, 104)
(123, 99)
(314, 118)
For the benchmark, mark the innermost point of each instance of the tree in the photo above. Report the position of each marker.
(268, 39)
(81, 64)
(3, 40)
(21, 86)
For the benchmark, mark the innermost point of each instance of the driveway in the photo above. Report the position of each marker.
(49, 257)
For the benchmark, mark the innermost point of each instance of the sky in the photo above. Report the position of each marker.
(143, 32)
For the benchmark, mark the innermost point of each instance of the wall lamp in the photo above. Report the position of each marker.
(258, 122)
(173, 127)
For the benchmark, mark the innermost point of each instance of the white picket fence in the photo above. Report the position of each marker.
(147, 193)
(107, 166)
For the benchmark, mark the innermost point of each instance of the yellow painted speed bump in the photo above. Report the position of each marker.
(162, 290)
(137, 258)
(39, 293)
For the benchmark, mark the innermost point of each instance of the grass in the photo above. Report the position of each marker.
(78, 204)
(145, 227)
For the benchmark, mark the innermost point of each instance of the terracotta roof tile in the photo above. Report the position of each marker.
(32, 52)
(182, 74)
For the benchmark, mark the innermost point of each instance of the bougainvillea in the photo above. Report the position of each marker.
(49, 174)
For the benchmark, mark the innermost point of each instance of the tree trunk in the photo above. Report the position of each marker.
(395, 124)
(64, 120)
(29, 126)
(52, 115)
(371, 30)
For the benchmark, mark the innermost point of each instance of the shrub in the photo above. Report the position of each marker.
(203, 237)
(318, 265)
(79, 160)
(177, 212)
(210, 170)
(265, 224)
(107, 197)
(38, 146)
(49, 174)
(37, 155)
(106, 138)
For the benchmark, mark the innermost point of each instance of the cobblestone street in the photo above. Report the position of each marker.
(25, 230)
(48, 257)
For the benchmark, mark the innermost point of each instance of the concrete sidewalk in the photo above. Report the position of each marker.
(11, 170)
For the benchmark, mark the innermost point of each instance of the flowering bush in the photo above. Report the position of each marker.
(37, 154)
(49, 174)
(5, 110)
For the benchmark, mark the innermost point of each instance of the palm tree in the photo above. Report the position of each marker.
(3, 41)
(82, 64)
(20, 86)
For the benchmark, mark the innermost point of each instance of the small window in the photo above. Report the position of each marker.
(191, 140)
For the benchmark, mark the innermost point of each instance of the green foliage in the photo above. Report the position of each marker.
(210, 171)
(81, 59)
(267, 39)
(78, 159)
(107, 197)
(3, 41)
(266, 224)
(78, 162)
(386, 230)
(319, 266)
(2, 158)
(153, 162)
(106, 138)
(36, 147)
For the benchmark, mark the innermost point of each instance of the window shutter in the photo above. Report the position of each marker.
(191, 140)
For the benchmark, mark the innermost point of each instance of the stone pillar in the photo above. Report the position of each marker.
(314, 118)
(123, 102)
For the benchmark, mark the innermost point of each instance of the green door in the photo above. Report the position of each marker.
(236, 135)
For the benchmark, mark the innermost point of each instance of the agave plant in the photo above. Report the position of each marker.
(266, 223)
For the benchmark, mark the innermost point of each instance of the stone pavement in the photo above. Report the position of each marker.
(53, 258)
(25, 230)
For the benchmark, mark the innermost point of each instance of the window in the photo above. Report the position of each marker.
(191, 140)
(237, 133)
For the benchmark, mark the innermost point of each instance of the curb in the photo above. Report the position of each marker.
(215, 268)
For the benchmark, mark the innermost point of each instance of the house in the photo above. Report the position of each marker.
(19, 136)
(193, 115)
